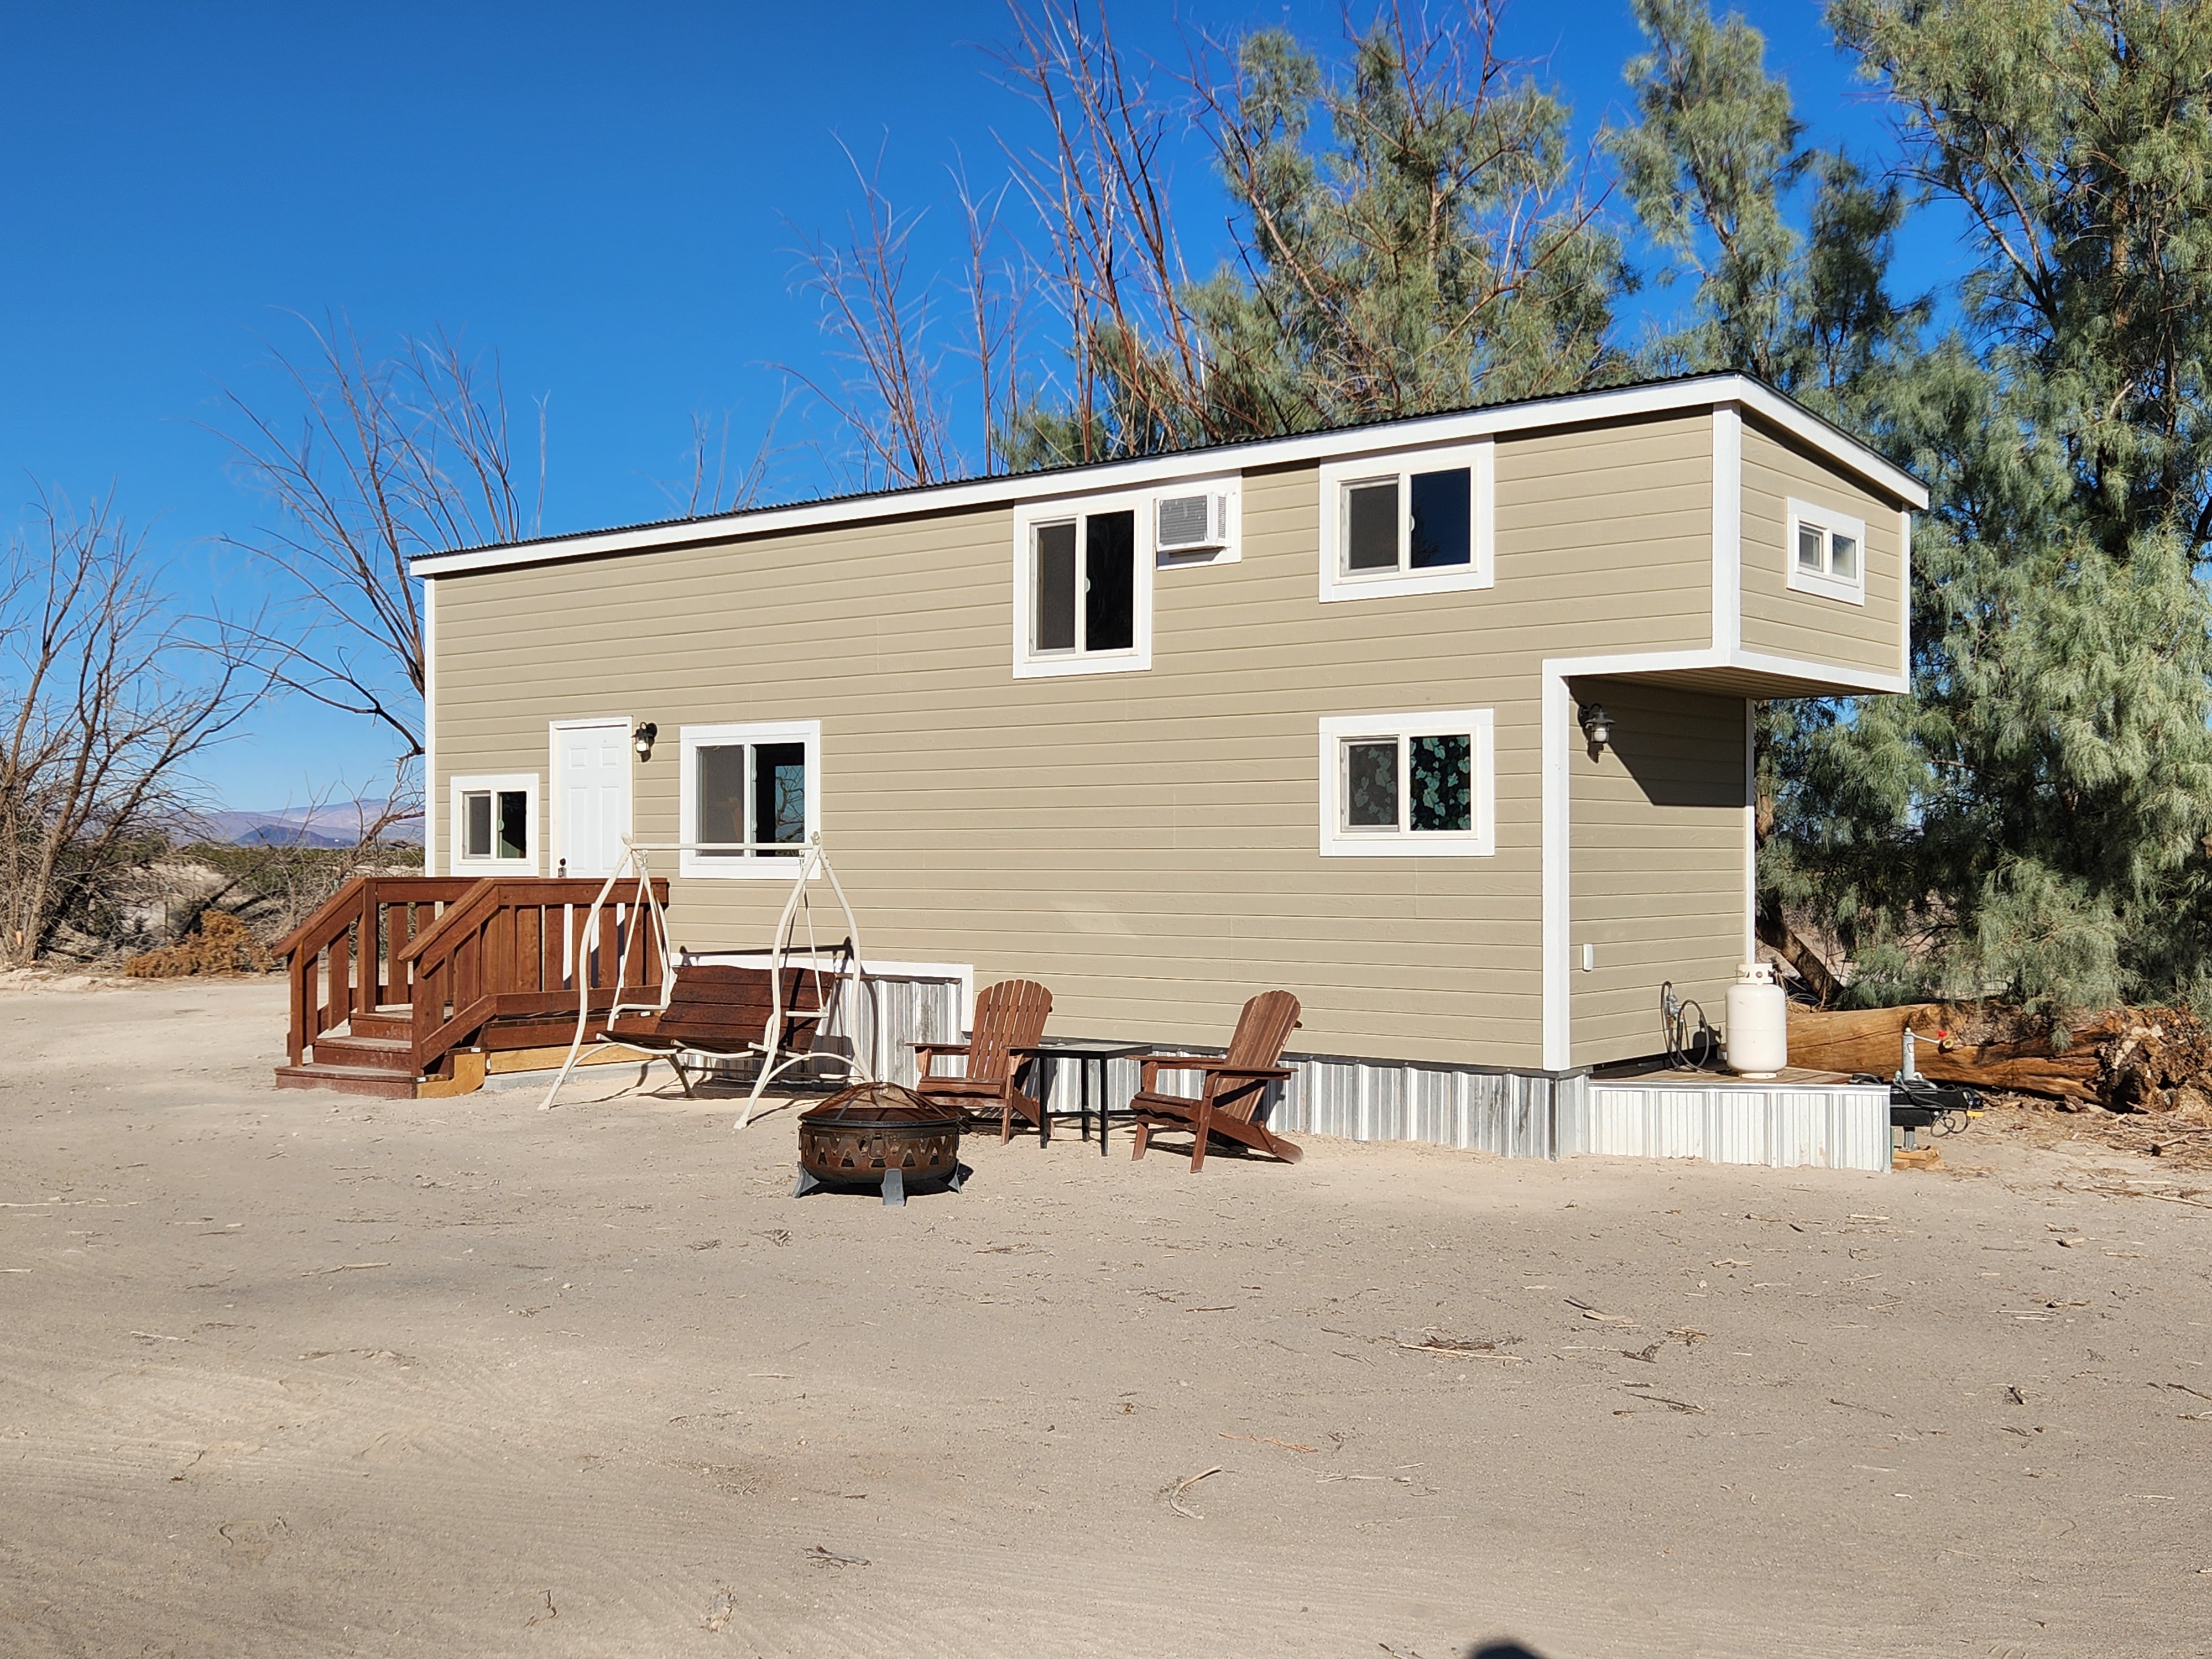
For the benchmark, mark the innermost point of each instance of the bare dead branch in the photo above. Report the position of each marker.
(108, 702)
(376, 461)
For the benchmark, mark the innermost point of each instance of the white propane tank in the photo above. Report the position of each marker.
(1758, 1022)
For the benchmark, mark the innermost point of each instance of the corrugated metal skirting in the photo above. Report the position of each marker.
(1837, 1127)
(884, 1018)
(1500, 1112)
(1514, 1114)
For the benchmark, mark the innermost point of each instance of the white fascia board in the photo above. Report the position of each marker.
(1852, 681)
(1728, 527)
(1554, 981)
(429, 727)
(1628, 403)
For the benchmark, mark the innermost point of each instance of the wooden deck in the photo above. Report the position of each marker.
(1657, 1070)
(395, 977)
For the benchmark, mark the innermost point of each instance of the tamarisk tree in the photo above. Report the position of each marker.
(2033, 816)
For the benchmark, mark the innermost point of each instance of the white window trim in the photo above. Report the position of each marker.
(459, 864)
(1481, 842)
(692, 738)
(1480, 457)
(1231, 551)
(1849, 591)
(1028, 666)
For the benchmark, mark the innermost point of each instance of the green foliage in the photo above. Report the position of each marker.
(1413, 234)
(1410, 236)
(1433, 252)
(2035, 815)
(1714, 168)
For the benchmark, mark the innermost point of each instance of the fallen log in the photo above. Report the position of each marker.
(2129, 1060)
(1856, 1039)
(2063, 1077)
(1872, 1040)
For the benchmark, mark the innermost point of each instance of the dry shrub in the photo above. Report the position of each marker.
(223, 945)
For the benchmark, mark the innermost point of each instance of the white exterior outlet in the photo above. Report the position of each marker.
(1589, 958)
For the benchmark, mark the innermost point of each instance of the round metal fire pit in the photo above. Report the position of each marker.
(878, 1134)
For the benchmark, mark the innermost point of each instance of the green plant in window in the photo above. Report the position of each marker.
(1371, 776)
(1443, 780)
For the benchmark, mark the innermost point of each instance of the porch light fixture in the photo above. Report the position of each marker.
(1596, 724)
(641, 740)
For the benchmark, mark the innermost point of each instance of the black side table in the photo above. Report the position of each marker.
(1086, 1051)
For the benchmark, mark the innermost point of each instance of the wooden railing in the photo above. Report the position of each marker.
(510, 951)
(348, 958)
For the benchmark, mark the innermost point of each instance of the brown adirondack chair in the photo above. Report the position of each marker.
(1235, 1085)
(1010, 1019)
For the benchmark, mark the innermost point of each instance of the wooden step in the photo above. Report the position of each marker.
(385, 1023)
(371, 1053)
(347, 1080)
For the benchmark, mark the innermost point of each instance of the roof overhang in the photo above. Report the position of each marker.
(1626, 403)
(1733, 674)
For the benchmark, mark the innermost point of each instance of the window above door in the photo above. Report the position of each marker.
(1410, 522)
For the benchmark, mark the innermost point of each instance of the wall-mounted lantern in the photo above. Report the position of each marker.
(641, 740)
(1596, 724)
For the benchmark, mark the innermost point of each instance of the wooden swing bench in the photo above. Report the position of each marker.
(724, 1011)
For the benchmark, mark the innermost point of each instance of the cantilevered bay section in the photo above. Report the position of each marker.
(1441, 725)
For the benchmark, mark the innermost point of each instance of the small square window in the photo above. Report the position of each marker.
(496, 822)
(751, 796)
(1827, 555)
(751, 799)
(1416, 524)
(1407, 784)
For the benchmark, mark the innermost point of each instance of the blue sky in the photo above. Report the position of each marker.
(608, 197)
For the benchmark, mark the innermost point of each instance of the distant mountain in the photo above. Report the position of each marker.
(277, 835)
(336, 824)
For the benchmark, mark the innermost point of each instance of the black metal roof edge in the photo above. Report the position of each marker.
(891, 497)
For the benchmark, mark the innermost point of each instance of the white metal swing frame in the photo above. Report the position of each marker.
(636, 859)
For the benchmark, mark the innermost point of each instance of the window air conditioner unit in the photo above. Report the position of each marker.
(1192, 523)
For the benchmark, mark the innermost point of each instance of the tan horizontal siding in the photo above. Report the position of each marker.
(1656, 867)
(1144, 843)
(1784, 622)
(1605, 538)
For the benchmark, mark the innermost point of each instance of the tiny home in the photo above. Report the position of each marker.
(1442, 724)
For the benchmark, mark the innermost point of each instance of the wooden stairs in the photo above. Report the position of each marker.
(394, 979)
(373, 1056)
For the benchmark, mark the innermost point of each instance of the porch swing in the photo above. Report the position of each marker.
(718, 1010)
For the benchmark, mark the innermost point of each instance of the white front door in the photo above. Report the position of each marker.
(591, 796)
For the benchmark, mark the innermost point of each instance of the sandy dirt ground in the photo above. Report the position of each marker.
(295, 1374)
